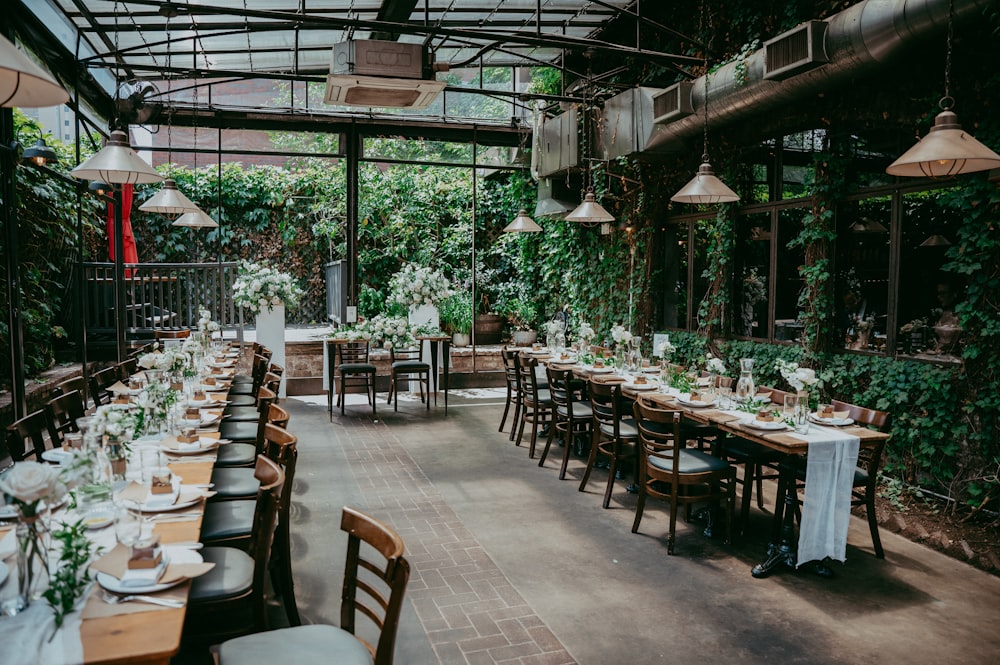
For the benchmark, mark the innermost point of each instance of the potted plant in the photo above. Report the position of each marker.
(456, 318)
(521, 313)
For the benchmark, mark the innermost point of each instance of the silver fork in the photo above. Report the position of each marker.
(115, 599)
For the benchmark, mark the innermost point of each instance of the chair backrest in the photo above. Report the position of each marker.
(869, 457)
(509, 357)
(69, 385)
(607, 404)
(163, 333)
(526, 373)
(265, 398)
(659, 438)
(265, 517)
(358, 595)
(353, 352)
(559, 388)
(258, 369)
(603, 350)
(127, 368)
(416, 354)
(281, 447)
(276, 415)
(100, 381)
(777, 396)
(26, 437)
(61, 413)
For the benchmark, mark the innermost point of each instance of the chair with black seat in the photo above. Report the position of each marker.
(231, 481)
(100, 384)
(248, 412)
(865, 484)
(258, 350)
(230, 600)
(680, 475)
(27, 437)
(614, 435)
(759, 462)
(536, 402)
(572, 417)
(78, 383)
(509, 357)
(352, 366)
(249, 390)
(323, 644)
(61, 414)
(408, 365)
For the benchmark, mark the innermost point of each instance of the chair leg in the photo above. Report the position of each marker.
(506, 409)
(612, 470)
(873, 524)
(640, 505)
(281, 578)
(590, 461)
(373, 399)
(672, 534)
(748, 479)
(520, 426)
(342, 397)
(548, 440)
(534, 433)
(428, 391)
(759, 470)
(518, 408)
(569, 444)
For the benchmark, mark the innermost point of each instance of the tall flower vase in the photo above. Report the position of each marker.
(271, 333)
(32, 563)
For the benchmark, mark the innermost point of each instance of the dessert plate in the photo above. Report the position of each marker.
(766, 424)
(171, 554)
(641, 386)
(684, 398)
(831, 422)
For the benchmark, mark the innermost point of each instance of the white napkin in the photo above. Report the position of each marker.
(826, 507)
(142, 577)
(154, 501)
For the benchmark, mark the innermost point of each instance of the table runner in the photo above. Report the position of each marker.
(826, 507)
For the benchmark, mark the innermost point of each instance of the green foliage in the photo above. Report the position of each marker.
(71, 577)
(456, 313)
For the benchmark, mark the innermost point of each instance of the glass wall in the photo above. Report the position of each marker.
(861, 286)
(753, 276)
(787, 282)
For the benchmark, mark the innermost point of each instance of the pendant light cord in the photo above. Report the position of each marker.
(947, 102)
(701, 27)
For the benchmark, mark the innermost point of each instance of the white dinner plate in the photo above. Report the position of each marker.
(766, 424)
(4, 571)
(641, 386)
(650, 370)
(602, 370)
(199, 403)
(204, 445)
(683, 398)
(222, 365)
(8, 512)
(832, 422)
(171, 554)
(56, 455)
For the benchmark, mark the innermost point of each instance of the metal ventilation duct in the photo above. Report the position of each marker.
(857, 39)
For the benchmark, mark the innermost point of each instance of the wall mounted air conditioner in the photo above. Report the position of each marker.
(800, 49)
(557, 145)
(381, 73)
(673, 103)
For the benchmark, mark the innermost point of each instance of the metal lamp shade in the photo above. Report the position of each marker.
(705, 188)
(590, 212)
(196, 219)
(945, 151)
(117, 163)
(25, 84)
(169, 201)
(522, 224)
(40, 154)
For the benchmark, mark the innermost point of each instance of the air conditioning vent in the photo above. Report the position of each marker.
(800, 49)
(378, 73)
(557, 146)
(673, 103)
(555, 198)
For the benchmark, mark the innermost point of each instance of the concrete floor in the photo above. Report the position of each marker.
(573, 583)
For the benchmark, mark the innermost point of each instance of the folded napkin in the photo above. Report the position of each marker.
(115, 563)
(171, 443)
(609, 378)
(661, 399)
(119, 388)
(141, 495)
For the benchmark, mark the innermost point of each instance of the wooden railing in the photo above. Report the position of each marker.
(160, 295)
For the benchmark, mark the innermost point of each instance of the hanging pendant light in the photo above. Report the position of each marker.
(169, 201)
(947, 150)
(25, 84)
(590, 211)
(522, 224)
(40, 153)
(196, 219)
(117, 163)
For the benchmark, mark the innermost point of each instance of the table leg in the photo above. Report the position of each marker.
(445, 357)
(782, 552)
(434, 369)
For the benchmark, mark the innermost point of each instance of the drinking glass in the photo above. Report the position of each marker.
(128, 526)
(725, 397)
(791, 406)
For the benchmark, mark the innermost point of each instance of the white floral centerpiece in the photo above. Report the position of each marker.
(171, 359)
(585, 333)
(799, 378)
(415, 285)
(29, 483)
(392, 332)
(666, 349)
(259, 287)
(115, 422)
(714, 365)
(155, 400)
(354, 333)
(620, 335)
(206, 326)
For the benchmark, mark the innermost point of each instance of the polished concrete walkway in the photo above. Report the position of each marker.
(510, 565)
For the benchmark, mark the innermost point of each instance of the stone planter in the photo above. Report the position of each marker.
(524, 337)
(489, 328)
(460, 340)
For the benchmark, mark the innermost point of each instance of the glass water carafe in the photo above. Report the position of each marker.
(745, 388)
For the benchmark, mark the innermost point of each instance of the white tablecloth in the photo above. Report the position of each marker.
(826, 507)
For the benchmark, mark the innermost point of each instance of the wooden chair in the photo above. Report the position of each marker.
(510, 357)
(127, 368)
(247, 411)
(100, 382)
(536, 402)
(26, 438)
(353, 368)
(235, 482)
(759, 462)
(61, 413)
(78, 383)
(675, 473)
(257, 350)
(408, 365)
(231, 522)
(323, 644)
(258, 370)
(171, 333)
(229, 600)
(572, 416)
(611, 433)
(865, 485)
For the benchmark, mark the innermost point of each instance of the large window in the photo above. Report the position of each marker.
(862, 273)
(674, 294)
(787, 282)
(752, 279)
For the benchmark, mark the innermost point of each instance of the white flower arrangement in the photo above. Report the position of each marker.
(172, 359)
(352, 333)
(115, 422)
(797, 377)
(620, 335)
(714, 365)
(259, 287)
(206, 326)
(553, 327)
(416, 285)
(666, 349)
(392, 332)
(585, 332)
(28, 483)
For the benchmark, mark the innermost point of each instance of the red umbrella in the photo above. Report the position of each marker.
(131, 254)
